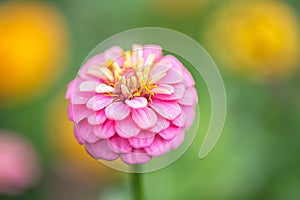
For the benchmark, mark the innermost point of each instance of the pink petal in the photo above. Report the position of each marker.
(152, 49)
(77, 136)
(190, 97)
(136, 157)
(161, 66)
(86, 131)
(160, 125)
(177, 141)
(144, 117)
(173, 76)
(100, 150)
(78, 97)
(181, 119)
(169, 133)
(80, 112)
(190, 115)
(117, 111)
(159, 70)
(94, 61)
(175, 63)
(114, 53)
(70, 89)
(186, 118)
(98, 102)
(97, 117)
(119, 145)
(126, 128)
(177, 94)
(106, 130)
(145, 134)
(136, 54)
(179, 90)
(88, 86)
(163, 89)
(137, 102)
(167, 109)
(142, 140)
(70, 112)
(103, 88)
(187, 77)
(158, 147)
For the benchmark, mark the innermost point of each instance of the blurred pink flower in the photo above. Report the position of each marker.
(19, 166)
(134, 105)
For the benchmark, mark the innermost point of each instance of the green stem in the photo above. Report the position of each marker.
(137, 186)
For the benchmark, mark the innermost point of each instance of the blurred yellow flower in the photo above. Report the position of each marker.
(33, 44)
(259, 38)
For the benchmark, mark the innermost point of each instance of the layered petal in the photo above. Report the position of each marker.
(103, 88)
(154, 50)
(100, 150)
(177, 141)
(142, 140)
(170, 133)
(163, 89)
(98, 102)
(86, 132)
(117, 110)
(190, 115)
(77, 136)
(159, 70)
(78, 97)
(173, 76)
(105, 130)
(119, 145)
(88, 86)
(137, 102)
(160, 124)
(126, 128)
(70, 89)
(97, 117)
(169, 110)
(159, 147)
(144, 117)
(186, 118)
(96, 61)
(175, 95)
(80, 112)
(113, 53)
(136, 157)
(190, 97)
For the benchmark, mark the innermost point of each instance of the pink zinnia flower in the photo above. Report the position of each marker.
(19, 164)
(134, 105)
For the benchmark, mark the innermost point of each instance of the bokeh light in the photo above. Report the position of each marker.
(258, 38)
(33, 43)
(19, 164)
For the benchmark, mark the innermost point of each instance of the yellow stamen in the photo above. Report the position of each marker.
(128, 61)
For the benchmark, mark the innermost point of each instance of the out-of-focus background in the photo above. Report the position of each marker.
(256, 45)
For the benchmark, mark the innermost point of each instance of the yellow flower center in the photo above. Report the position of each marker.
(131, 80)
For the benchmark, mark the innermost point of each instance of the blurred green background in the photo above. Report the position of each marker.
(256, 47)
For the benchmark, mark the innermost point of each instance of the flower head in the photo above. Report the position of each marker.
(134, 105)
